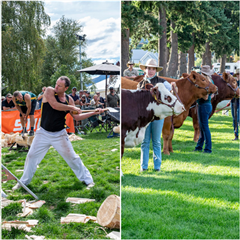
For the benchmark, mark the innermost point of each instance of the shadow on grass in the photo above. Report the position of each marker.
(190, 183)
(169, 215)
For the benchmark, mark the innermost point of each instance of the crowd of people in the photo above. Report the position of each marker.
(27, 102)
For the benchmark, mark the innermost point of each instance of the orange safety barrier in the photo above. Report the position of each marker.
(11, 122)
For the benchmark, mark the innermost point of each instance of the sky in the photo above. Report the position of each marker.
(101, 21)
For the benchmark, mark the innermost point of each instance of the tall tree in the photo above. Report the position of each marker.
(23, 26)
(138, 24)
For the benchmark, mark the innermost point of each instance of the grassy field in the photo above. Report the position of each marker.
(54, 182)
(194, 196)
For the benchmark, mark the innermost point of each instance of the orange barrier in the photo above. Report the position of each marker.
(11, 122)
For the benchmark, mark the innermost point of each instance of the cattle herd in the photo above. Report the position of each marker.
(140, 107)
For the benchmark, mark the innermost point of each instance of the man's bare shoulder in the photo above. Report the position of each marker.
(48, 94)
(50, 89)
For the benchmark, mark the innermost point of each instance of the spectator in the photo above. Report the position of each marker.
(8, 103)
(112, 99)
(95, 102)
(100, 99)
(3, 98)
(235, 107)
(88, 98)
(40, 96)
(81, 92)
(83, 101)
(75, 96)
(25, 103)
(130, 73)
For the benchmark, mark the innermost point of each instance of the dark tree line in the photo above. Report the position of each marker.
(177, 28)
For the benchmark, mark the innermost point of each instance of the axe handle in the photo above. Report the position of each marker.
(23, 185)
(86, 111)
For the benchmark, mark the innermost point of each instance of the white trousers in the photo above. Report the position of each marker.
(42, 141)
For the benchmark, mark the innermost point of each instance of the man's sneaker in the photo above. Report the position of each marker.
(90, 185)
(24, 131)
(31, 133)
(17, 186)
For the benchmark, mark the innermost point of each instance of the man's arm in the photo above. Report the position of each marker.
(82, 116)
(50, 98)
(40, 96)
(17, 106)
(27, 99)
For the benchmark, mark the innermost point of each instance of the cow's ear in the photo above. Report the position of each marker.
(148, 86)
(225, 77)
(184, 75)
(193, 76)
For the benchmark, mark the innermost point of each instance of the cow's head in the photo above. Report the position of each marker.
(203, 86)
(231, 83)
(165, 103)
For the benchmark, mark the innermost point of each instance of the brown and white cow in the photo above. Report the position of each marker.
(227, 89)
(190, 88)
(140, 107)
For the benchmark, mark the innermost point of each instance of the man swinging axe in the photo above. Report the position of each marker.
(55, 106)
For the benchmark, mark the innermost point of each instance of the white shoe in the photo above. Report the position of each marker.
(17, 186)
(90, 185)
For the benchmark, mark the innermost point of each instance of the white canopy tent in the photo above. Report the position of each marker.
(100, 86)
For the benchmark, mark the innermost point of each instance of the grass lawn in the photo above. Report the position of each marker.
(194, 196)
(54, 182)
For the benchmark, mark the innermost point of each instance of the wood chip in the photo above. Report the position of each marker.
(22, 225)
(114, 235)
(35, 205)
(79, 200)
(5, 202)
(34, 237)
(78, 218)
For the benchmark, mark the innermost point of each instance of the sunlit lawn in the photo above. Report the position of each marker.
(54, 182)
(195, 196)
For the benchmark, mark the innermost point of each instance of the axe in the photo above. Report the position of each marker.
(94, 110)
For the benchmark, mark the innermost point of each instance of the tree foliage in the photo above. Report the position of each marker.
(23, 26)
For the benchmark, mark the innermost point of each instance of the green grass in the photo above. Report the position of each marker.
(54, 182)
(194, 196)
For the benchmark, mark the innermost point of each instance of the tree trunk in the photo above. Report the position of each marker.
(172, 66)
(222, 63)
(208, 55)
(190, 58)
(124, 50)
(182, 67)
(162, 42)
(204, 59)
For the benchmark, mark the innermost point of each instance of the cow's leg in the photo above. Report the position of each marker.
(196, 128)
(165, 135)
(170, 148)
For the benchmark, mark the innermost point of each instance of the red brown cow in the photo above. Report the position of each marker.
(227, 89)
(140, 107)
(190, 88)
(128, 84)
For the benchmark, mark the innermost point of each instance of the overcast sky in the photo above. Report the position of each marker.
(101, 21)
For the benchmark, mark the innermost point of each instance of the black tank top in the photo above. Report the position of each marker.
(53, 120)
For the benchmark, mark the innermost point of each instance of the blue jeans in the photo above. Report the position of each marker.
(153, 130)
(233, 111)
(204, 111)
